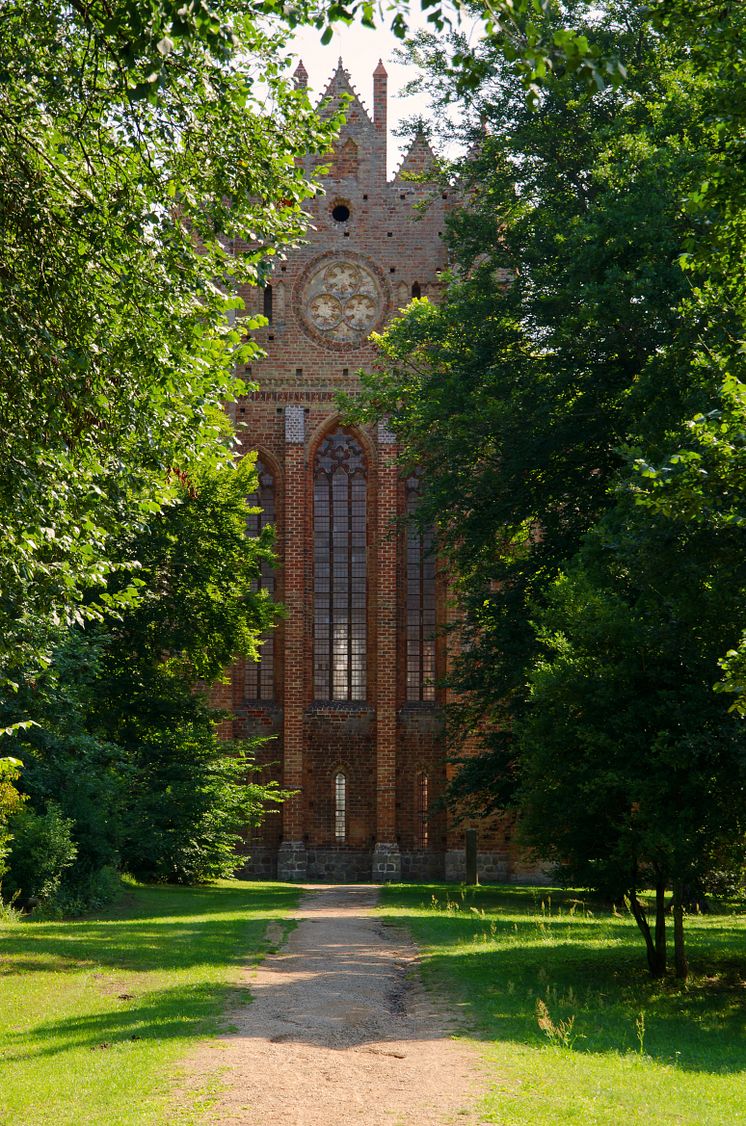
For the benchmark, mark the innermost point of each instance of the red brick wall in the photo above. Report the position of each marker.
(383, 742)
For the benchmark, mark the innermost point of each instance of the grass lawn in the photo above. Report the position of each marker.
(95, 1013)
(636, 1051)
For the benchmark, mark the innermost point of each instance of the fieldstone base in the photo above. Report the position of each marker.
(338, 865)
(292, 862)
(423, 866)
(260, 864)
(492, 867)
(386, 863)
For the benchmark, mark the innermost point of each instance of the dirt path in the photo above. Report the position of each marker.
(340, 1031)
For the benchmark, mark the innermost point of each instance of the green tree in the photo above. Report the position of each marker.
(11, 801)
(191, 795)
(124, 740)
(632, 774)
(516, 397)
(139, 141)
(590, 314)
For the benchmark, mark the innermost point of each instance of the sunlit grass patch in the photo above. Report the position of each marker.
(94, 1013)
(555, 987)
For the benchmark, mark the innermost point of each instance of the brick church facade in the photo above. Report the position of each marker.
(348, 682)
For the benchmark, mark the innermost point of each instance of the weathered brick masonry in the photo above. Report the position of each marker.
(349, 692)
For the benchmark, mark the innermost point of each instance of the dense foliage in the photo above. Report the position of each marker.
(139, 140)
(124, 747)
(596, 534)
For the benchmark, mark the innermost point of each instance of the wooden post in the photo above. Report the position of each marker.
(471, 857)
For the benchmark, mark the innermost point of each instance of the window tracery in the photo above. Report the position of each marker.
(420, 619)
(340, 578)
(260, 675)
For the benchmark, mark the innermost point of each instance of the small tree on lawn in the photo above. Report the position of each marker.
(633, 773)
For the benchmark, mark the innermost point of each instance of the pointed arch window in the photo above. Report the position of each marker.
(260, 675)
(340, 807)
(416, 290)
(340, 579)
(422, 801)
(420, 600)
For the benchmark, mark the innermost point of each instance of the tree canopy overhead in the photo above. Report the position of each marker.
(595, 309)
(138, 142)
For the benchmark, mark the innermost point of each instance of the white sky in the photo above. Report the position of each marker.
(361, 49)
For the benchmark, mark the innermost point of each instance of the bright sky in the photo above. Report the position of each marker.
(361, 49)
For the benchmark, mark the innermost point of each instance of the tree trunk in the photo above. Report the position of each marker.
(660, 924)
(655, 965)
(682, 966)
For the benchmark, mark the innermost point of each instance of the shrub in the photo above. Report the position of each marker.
(41, 850)
(10, 802)
(191, 800)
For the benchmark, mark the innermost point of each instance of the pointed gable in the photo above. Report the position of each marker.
(419, 158)
(340, 84)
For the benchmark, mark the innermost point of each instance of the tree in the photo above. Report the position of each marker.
(632, 774)
(139, 140)
(11, 801)
(125, 741)
(517, 398)
(584, 324)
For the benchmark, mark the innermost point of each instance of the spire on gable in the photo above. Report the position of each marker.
(418, 158)
(380, 83)
(341, 83)
(300, 76)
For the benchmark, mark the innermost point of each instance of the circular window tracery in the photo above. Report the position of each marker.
(341, 300)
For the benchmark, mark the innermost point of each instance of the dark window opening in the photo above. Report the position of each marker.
(259, 682)
(416, 291)
(340, 213)
(340, 574)
(420, 600)
(268, 303)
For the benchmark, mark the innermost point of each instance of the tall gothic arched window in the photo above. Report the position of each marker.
(420, 600)
(260, 676)
(340, 807)
(339, 525)
(422, 802)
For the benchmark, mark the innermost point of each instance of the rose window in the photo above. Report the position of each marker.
(341, 302)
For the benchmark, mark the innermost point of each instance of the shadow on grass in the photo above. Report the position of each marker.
(179, 1012)
(497, 965)
(199, 933)
(159, 928)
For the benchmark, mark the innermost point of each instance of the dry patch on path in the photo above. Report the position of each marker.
(340, 1031)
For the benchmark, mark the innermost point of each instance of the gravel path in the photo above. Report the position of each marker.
(340, 1031)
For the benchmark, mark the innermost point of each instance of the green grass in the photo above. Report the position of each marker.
(96, 1013)
(494, 952)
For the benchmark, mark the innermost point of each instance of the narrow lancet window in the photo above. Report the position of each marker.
(340, 808)
(421, 807)
(416, 291)
(267, 309)
(260, 675)
(340, 633)
(420, 600)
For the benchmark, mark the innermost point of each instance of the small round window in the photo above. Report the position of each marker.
(340, 213)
